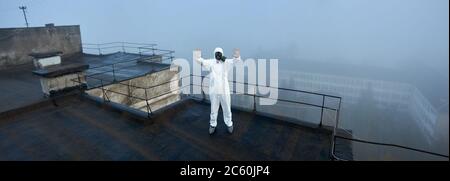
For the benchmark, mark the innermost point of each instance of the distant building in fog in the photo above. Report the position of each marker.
(387, 95)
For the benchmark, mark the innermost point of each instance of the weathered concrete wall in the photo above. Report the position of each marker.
(157, 96)
(62, 82)
(17, 43)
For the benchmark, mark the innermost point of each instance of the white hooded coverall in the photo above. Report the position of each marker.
(219, 89)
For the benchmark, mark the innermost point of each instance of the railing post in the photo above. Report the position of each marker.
(103, 91)
(114, 73)
(140, 54)
(333, 135)
(254, 97)
(99, 50)
(338, 111)
(123, 47)
(321, 111)
(130, 99)
(149, 110)
(79, 83)
(201, 88)
(105, 96)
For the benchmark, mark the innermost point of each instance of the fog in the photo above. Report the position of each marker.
(401, 43)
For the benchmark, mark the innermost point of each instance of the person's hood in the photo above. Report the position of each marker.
(218, 49)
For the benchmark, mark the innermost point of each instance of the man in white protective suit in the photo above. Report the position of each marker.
(219, 89)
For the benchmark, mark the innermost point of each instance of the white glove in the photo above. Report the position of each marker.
(197, 54)
(236, 53)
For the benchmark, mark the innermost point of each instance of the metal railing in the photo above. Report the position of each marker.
(335, 127)
(255, 95)
(322, 106)
(145, 97)
(125, 47)
(111, 47)
(131, 53)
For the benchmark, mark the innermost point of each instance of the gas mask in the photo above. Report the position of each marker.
(219, 56)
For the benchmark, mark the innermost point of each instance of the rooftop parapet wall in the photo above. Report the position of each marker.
(17, 43)
(162, 90)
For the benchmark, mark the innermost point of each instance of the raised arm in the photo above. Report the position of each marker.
(198, 58)
(197, 55)
(236, 57)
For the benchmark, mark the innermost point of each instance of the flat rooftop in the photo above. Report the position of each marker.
(82, 129)
(20, 87)
(100, 66)
(79, 128)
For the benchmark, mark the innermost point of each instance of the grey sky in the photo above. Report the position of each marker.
(377, 33)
